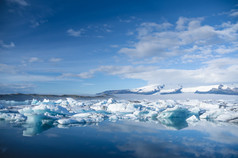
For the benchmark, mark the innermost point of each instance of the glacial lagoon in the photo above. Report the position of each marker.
(118, 128)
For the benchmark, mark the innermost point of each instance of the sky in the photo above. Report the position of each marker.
(86, 47)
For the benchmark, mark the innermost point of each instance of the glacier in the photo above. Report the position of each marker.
(229, 89)
(39, 115)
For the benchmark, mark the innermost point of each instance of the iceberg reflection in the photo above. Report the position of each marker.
(35, 124)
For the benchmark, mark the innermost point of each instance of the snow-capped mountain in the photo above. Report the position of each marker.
(221, 89)
(161, 90)
(146, 90)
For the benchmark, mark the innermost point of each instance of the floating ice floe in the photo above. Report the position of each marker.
(14, 117)
(40, 115)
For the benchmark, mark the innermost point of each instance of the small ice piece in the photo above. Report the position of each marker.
(82, 115)
(193, 118)
(195, 110)
(211, 115)
(14, 103)
(152, 114)
(46, 101)
(71, 101)
(113, 118)
(176, 112)
(68, 121)
(34, 102)
(228, 116)
(82, 118)
(137, 113)
(130, 116)
(41, 109)
(98, 107)
(111, 101)
(121, 107)
(1, 106)
(12, 117)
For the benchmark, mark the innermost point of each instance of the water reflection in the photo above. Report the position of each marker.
(176, 123)
(150, 148)
(206, 139)
(125, 139)
(36, 124)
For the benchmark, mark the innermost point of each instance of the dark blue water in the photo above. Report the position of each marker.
(120, 139)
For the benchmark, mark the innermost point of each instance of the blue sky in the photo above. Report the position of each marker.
(85, 47)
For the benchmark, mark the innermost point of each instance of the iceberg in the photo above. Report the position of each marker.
(14, 117)
(82, 118)
(39, 116)
(192, 119)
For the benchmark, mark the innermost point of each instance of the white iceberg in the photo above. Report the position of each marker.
(41, 115)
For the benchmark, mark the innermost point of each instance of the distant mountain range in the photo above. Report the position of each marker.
(161, 90)
(23, 97)
(147, 90)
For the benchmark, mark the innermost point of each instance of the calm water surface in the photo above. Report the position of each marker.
(119, 139)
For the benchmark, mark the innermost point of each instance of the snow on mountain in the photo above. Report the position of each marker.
(171, 91)
(199, 88)
(146, 90)
(161, 90)
(221, 89)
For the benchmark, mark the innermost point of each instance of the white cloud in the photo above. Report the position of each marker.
(222, 62)
(88, 84)
(225, 49)
(36, 23)
(188, 58)
(111, 70)
(75, 33)
(114, 46)
(55, 59)
(130, 33)
(128, 20)
(4, 68)
(198, 53)
(194, 23)
(19, 2)
(99, 36)
(16, 88)
(148, 28)
(33, 60)
(4, 45)
(83, 75)
(125, 21)
(28, 78)
(234, 13)
(159, 40)
(181, 23)
(100, 29)
(108, 30)
(15, 74)
(104, 28)
(220, 70)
